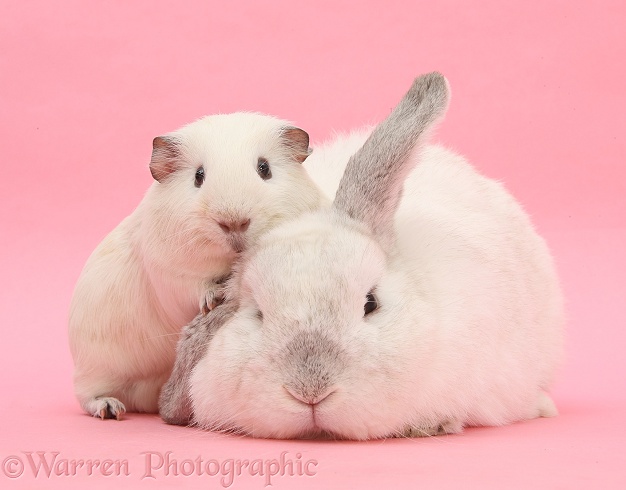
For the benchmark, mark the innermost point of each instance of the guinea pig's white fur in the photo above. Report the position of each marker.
(149, 276)
(468, 330)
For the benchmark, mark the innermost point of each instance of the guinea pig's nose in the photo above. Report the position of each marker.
(234, 226)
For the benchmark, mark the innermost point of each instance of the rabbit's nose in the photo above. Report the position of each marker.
(310, 397)
(234, 226)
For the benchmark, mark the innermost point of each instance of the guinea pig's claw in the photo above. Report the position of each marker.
(103, 413)
(214, 292)
(211, 301)
(206, 308)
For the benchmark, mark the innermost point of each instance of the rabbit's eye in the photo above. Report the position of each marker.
(263, 169)
(199, 177)
(371, 303)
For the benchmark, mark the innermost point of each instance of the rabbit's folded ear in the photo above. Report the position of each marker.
(370, 188)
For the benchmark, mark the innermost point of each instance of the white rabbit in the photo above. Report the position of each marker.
(423, 301)
(220, 182)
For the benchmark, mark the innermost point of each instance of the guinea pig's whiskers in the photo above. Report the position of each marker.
(179, 232)
(191, 238)
(190, 235)
(187, 229)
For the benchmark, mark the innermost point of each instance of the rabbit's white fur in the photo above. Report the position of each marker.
(148, 277)
(468, 332)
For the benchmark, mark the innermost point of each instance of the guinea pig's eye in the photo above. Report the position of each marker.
(263, 169)
(371, 303)
(199, 177)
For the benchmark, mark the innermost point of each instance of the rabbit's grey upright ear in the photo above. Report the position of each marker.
(370, 188)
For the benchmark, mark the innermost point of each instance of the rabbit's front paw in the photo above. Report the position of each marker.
(448, 427)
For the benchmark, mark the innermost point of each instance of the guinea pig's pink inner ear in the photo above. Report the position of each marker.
(297, 142)
(166, 155)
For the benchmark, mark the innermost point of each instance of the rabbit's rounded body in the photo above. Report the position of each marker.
(467, 328)
(466, 249)
(471, 254)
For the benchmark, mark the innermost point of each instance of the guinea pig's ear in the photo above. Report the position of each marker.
(371, 185)
(166, 155)
(297, 141)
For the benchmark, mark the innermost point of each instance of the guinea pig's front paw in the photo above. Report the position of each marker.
(107, 407)
(213, 296)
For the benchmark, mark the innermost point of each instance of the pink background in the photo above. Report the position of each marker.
(539, 101)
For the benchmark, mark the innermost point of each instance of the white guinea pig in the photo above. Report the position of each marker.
(220, 182)
(421, 302)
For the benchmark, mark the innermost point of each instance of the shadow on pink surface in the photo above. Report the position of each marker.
(141, 451)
